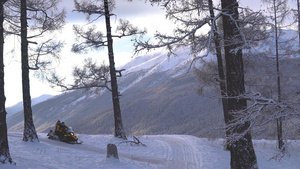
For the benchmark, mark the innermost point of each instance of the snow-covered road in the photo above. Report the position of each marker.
(161, 152)
(177, 152)
(180, 152)
(102, 150)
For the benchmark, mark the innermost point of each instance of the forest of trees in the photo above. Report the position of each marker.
(233, 32)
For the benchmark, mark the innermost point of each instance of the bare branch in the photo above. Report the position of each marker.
(90, 9)
(92, 39)
(89, 76)
(135, 141)
(127, 29)
(48, 48)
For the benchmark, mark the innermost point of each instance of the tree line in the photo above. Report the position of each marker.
(232, 30)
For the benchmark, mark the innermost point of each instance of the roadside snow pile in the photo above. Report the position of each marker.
(160, 152)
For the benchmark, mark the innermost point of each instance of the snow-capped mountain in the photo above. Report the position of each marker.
(159, 96)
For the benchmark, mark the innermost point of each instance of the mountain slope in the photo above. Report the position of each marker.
(158, 97)
(19, 106)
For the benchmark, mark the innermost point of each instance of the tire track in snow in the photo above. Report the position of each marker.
(181, 153)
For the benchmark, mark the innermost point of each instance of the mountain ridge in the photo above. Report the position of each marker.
(157, 98)
(149, 95)
(19, 106)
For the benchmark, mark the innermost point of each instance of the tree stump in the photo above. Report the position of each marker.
(112, 151)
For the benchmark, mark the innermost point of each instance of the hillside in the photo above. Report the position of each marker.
(19, 106)
(158, 97)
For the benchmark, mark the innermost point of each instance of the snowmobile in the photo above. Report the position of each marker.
(67, 136)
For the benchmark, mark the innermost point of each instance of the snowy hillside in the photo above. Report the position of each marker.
(158, 97)
(149, 82)
(161, 152)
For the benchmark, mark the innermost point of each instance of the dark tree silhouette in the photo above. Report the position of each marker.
(4, 148)
(29, 133)
(241, 149)
(119, 129)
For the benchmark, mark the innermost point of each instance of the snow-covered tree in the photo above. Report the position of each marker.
(262, 57)
(279, 11)
(242, 148)
(193, 16)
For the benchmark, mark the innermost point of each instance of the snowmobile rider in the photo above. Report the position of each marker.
(57, 127)
(60, 128)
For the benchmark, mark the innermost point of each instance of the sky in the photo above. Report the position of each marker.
(139, 13)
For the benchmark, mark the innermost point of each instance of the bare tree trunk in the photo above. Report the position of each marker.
(4, 148)
(279, 120)
(222, 83)
(119, 129)
(241, 150)
(29, 129)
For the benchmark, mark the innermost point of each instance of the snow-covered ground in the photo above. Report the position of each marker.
(160, 152)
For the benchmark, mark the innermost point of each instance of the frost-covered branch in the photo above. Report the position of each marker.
(257, 116)
(90, 8)
(125, 28)
(167, 41)
(192, 25)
